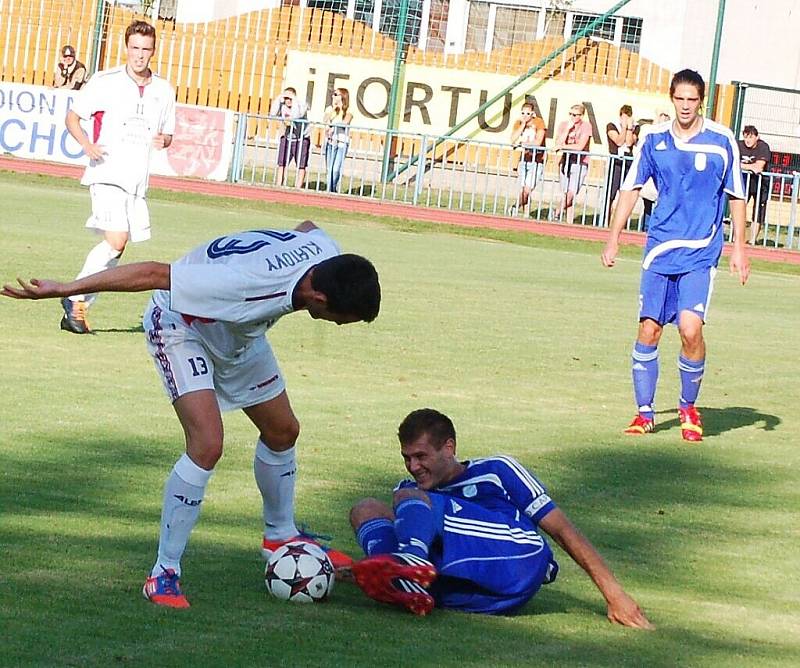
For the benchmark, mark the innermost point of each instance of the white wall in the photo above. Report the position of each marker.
(759, 40)
(203, 11)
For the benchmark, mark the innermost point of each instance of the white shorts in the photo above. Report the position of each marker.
(529, 173)
(572, 176)
(115, 210)
(185, 364)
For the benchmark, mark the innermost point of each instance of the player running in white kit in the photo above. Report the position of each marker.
(132, 110)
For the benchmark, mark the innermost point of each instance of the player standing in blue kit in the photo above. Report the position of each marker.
(694, 163)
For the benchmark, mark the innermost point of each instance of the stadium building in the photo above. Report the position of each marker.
(673, 34)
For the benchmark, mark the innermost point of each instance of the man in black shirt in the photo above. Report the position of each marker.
(621, 137)
(755, 155)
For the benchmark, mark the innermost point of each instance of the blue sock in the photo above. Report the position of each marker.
(691, 372)
(377, 537)
(414, 527)
(644, 368)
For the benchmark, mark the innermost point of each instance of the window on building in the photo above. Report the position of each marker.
(631, 34)
(513, 25)
(477, 25)
(555, 23)
(603, 30)
(363, 11)
(338, 6)
(437, 25)
(508, 24)
(390, 19)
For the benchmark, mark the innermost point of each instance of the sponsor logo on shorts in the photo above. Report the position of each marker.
(264, 383)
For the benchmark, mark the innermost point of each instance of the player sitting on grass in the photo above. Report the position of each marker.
(466, 535)
(205, 328)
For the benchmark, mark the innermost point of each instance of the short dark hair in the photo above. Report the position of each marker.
(140, 28)
(688, 77)
(350, 282)
(750, 130)
(626, 109)
(529, 105)
(428, 421)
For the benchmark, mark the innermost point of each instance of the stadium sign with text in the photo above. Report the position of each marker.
(434, 99)
(32, 126)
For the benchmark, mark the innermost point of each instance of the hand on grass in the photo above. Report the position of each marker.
(624, 610)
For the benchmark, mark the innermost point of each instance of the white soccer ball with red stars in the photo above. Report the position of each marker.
(299, 571)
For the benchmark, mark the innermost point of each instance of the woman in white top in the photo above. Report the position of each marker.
(338, 118)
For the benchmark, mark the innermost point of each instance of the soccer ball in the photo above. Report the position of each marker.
(299, 571)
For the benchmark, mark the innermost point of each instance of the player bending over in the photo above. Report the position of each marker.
(467, 535)
(205, 328)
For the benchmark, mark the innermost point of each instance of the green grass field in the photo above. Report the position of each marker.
(524, 341)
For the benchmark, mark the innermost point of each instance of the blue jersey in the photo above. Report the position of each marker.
(488, 551)
(693, 179)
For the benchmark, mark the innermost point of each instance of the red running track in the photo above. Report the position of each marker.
(374, 207)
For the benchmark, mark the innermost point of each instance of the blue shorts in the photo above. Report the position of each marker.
(487, 562)
(662, 297)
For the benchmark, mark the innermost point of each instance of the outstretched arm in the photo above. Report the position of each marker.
(134, 277)
(622, 609)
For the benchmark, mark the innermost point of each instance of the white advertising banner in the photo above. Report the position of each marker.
(32, 126)
(434, 99)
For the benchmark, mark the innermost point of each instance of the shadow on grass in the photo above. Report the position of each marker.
(717, 421)
(629, 502)
(133, 329)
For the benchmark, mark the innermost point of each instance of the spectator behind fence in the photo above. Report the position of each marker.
(70, 72)
(527, 137)
(621, 137)
(295, 143)
(755, 156)
(337, 135)
(573, 135)
(648, 192)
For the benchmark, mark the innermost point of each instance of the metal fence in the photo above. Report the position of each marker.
(469, 175)
(774, 111)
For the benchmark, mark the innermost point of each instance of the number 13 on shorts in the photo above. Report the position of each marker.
(199, 366)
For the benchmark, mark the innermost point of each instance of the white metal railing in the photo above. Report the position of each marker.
(468, 175)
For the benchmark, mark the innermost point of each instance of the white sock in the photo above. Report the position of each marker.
(183, 494)
(275, 474)
(102, 256)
